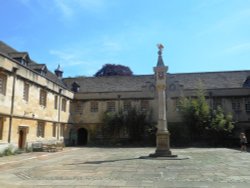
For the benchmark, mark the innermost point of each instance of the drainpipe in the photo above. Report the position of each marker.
(12, 102)
(119, 102)
(59, 115)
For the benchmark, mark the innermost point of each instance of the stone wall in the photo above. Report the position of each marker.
(27, 114)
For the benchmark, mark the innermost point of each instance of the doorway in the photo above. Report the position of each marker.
(82, 137)
(22, 139)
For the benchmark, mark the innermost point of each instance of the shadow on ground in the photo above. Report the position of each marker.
(105, 161)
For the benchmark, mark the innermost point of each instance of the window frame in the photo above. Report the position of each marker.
(43, 98)
(56, 102)
(94, 106)
(40, 129)
(217, 102)
(111, 106)
(26, 89)
(144, 105)
(3, 85)
(236, 104)
(247, 104)
(54, 129)
(127, 105)
(64, 105)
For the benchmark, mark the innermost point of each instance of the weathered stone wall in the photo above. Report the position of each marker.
(28, 113)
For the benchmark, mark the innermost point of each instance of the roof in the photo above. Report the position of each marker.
(110, 83)
(211, 80)
(18, 54)
(37, 66)
(208, 80)
(12, 53)
(6, 49)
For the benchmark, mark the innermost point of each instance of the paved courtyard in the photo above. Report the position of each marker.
(122, 167)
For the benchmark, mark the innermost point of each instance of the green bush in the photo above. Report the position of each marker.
(8, 151)
(137, 123)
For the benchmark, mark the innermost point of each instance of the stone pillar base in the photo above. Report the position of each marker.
(162, 145)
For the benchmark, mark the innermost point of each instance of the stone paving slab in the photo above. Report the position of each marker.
(122, 167)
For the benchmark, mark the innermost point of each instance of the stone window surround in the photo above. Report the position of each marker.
(26, 87)
(64, 104)
(56, 102)
(40, 129)
(144, 105)
(217, 102)
(94, 106)
(54, 130)
(43, 98)
(236, 104)
(127, 105)
(247, 104)
(3, 83)
(111, 106)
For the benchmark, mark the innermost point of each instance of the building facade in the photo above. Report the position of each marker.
(36, 104)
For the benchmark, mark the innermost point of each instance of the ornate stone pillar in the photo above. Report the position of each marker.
(162, 135)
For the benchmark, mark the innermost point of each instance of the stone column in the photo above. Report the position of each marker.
(162, 135)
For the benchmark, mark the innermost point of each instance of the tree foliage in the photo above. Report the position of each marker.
(199, 116)
(113, 70)
(195, 113)
(220, 121)
(136, 122)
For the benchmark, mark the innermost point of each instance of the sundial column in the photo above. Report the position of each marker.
(162, 135)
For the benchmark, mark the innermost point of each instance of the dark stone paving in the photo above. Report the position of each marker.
(122, 167)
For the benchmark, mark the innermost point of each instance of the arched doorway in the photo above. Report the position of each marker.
(82, 137)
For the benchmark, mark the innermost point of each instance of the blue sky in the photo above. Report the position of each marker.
(83, 35)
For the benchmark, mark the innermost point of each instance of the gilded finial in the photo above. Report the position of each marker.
(160, 46)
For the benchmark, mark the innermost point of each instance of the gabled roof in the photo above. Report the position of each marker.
(38, 67)
(246, 84)
(32, 65)
(22, 55)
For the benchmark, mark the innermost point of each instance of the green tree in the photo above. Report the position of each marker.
(195, 113)
(137, 123)
(199, 117)
(113, 70)
(220, 121)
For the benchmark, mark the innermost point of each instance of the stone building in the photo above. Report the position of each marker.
(36, 103)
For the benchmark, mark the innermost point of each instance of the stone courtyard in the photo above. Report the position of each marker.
(122, 168)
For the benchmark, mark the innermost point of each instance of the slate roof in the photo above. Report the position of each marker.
(110, 83)
(4, 48)
(37, 66)
(18, 54)
(209, 80)
(12, 53)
